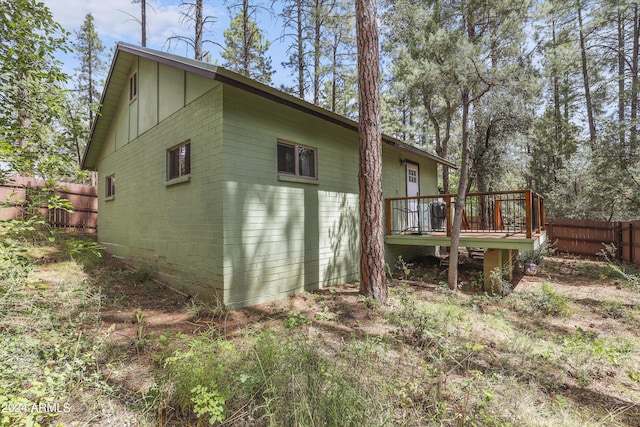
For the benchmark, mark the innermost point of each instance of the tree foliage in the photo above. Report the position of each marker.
(246, 47)
(34, 102)
(90, 72)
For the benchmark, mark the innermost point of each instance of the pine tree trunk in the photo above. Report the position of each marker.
(633, 115)
(300, 37)
(372, 274)
(246, 41)
(197, 43)
(621, 71)
(456, 227)
(143, 21)
(585, 78)
(317, 51)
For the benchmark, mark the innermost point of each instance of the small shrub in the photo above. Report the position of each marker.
(141, 274)
(14, 264)
(535, 256)
(403, 266)
(85, 252)
(296, 319)
(614, 309)
(207, 364)
(199, 310)
(551, 303)
(208, 402)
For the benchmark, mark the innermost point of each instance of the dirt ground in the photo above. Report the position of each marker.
(161, 309)
(134, 315)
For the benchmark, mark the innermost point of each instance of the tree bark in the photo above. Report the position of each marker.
(143, 21)
(633, 115)
(300, 41)
(199, 24)
(442, 142)
(621, 72)
(456, 227)
(246, 41)
(372, 274)
(585, 78)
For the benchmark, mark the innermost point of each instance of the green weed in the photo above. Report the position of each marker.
(550, 303)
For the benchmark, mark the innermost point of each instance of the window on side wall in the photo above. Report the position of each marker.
(179, 161)
(110, 186)
(133, 86)
(297, 160)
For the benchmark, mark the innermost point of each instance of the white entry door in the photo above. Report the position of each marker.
(413, 189)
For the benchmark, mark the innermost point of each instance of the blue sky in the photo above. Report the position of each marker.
(113, 22)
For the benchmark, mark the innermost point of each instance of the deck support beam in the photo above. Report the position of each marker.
(503, 260)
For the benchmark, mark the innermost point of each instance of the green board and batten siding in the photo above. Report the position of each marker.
(235, 229)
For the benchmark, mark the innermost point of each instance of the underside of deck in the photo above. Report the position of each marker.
(487, 240)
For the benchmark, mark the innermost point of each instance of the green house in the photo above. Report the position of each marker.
(230, 189)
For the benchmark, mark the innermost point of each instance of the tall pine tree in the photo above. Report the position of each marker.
(246, 48)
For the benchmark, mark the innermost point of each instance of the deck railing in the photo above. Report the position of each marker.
(507, 212)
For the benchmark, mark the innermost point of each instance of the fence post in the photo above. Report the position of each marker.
(617, 231)
(631, 241)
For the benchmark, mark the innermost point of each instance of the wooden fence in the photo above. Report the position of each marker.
(83, 198)
(586, 238)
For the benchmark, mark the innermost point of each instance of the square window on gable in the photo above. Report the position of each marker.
(179, 161)
(297, 160)
(133, 86)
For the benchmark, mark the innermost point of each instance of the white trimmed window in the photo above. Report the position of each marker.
(179, 161)
(297, 160)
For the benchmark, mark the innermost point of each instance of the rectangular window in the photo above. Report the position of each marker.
(110, 186)
(297, 160)
(133, 86)
(179, 161)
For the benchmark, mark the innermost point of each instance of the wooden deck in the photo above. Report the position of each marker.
(510, 220)
(476, 239)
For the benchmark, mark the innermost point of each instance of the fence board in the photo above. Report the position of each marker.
(586, 237)
(83, 198)
(630, 237)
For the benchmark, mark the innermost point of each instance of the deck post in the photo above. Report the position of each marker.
(505, 261)
(388, 213)
(449, 221)
(529, 223)
(539, 214)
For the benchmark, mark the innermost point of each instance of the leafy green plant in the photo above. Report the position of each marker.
(14, 264)
(85, 252)
(499, 285)
(403, 266)
(208, 401)
(204, 362)
(550, 303)
(615, 309)
(140, 274)
(535, 256)
(296, 319)
(199, 309)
